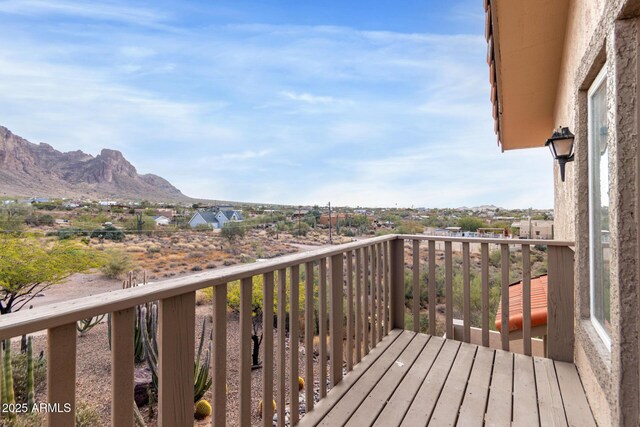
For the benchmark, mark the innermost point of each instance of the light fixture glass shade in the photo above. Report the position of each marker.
(561, 146)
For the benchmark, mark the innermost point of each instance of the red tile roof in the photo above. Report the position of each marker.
(538, 305)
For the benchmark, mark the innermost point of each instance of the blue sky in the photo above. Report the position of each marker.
(361, 103)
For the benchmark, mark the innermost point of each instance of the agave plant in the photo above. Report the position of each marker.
(202, 379)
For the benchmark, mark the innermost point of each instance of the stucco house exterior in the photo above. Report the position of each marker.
(534, 228)
(575, 64)
(215, 219)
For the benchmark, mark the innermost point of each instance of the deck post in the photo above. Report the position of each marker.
(397, 283)
(336, 318)
(560, 321)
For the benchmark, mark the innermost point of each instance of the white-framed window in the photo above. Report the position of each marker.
(599, 252)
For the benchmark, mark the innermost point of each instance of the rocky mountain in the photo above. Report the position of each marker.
(28, 169)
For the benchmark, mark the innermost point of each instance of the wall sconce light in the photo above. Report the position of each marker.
(561, 146)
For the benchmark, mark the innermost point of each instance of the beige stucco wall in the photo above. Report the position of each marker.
(601, 33)
(582, 21)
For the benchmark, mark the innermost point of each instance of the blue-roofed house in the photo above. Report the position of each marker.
(215, 219)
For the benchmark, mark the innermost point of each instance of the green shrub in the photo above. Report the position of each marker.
(87, 415)
(108, 232)
(116, 263)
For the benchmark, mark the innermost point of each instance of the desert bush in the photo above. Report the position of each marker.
(153, 250)
(39, 220)
(87, 415)
(232, 231)
(196, 268)
(494, 258)
(116, 264)
(108, 232)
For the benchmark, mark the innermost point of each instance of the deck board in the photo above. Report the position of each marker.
(418, 380)
(397, 406)
(446, 411)
(573, 397)
(474, 403)
(344, 408)
(549, 398)
(425, 401)
(525, 404)
(368, 411)
(500, 392)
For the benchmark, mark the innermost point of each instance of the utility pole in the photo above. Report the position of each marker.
(330, 239)
(299, 220)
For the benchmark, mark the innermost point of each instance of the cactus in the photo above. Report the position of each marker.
(138, 348)
(203, 409)
(202, 379)
(31, 401)
(273, 405)
(201, 370)
(8, 396)
(86, 325)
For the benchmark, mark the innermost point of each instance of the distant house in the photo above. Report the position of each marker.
(107, 203)
(215, 219)
(169, 213)
(161, 220)
(324, 218)
(534, 229)
(299, 214)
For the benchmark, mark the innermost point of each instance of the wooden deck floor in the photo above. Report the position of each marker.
(414, 379)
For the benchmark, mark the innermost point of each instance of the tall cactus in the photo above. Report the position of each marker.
(8, 397)
(202, 379)
(31, 400)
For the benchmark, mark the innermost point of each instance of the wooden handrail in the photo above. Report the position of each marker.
(58, 314)
(372, 287)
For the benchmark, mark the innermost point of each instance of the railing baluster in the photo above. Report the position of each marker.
(246, 286)
(282, 337)
(350, 331)
(504, 263)
(267, 349)
(336, 318)
(176, 346)
(387, 287)
(322, 319)
(365, 279)
(309, 330)
(432, 287)
(415, 304)
(466, 281)
(219, 360)
(396, 298)
(122, 367)
(484, 249)
(380, 291)
(294, 338)
(526, 299)
(374, 292)
(448, 280)
(61, 374)
(359, 322)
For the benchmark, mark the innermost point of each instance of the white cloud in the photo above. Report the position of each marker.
(355, 117)
(84, 9)
(311, 99)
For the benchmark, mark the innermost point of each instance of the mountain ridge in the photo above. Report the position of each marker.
(28, 169)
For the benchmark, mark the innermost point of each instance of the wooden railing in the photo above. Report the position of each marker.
(358, 289)
(560, 300)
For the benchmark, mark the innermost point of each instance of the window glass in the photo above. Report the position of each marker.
(599, 257)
